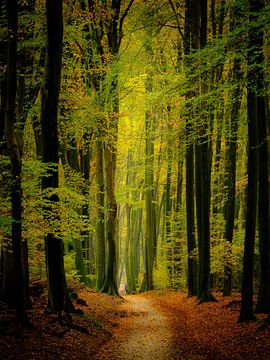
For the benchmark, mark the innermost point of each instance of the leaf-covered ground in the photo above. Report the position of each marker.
(155, 325)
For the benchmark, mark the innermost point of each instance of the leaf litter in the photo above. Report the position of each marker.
(155, 325)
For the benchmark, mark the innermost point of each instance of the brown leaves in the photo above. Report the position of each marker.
(54, 337)
(206, 331)
(210, 330)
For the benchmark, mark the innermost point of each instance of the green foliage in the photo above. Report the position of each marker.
(71, 272)
(160, 274)
(180, 84)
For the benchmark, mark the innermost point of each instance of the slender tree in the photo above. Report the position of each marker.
(203, 170)
(230, 173)
(3, 63)
(15, 159)
(246, 312)
(100, 230)
(57, 287)
(150, 215)
(189, 42)
(6, 259)
(263, 302)
(150, 233)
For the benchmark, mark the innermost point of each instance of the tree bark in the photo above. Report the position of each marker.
(230, 175)
(100, 229)
(150, 233)
(59, 299)
(246, 312)
(15, 159)
(189, 158)
(110, 285)
(203, 174)
(263, 302)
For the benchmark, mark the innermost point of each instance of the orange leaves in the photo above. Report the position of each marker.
(168, 324)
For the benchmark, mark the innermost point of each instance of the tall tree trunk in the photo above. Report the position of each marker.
(132, 240)
(110, 285)
(111, 220)
(246, 312)
(216, 180)
(6, 259)
(59, 299)
(15, 159)
(203, 176)
(100, 230)
(168, 205)
(148, 282)
(189, 158)
(263, 302)
(135, 235)
(128, 246)
(229, 176)
(150, 214)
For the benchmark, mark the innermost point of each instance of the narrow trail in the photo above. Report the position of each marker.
(173, 327)
(147, 336)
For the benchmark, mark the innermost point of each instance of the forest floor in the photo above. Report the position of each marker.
(156, 325)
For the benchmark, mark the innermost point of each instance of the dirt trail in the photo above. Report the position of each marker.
(148, 337)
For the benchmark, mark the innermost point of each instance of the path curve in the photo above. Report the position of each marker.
(149, 334)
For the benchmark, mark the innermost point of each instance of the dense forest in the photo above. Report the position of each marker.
(134, 145)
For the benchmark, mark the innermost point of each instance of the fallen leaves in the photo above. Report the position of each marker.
(211, 330)
(207, 331)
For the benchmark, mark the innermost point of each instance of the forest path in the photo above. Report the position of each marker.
(170, 326)
(147, 335)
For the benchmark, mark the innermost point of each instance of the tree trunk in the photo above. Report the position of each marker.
(6, 259)
(263, 302)
(203, 175)
(246, 312)
(168, 206)
(59, 299)
(148, 282)
(229, 176)
(189, 158)
(15, 159)
(100, 230)
(110, 285)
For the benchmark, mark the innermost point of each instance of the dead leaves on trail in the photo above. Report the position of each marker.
(209, 331)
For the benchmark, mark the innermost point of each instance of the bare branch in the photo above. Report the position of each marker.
(177, 19)
(122, 20)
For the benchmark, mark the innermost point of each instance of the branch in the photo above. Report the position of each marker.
(177, 20)
(126, 11)
(167, 25)
(122, 20)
